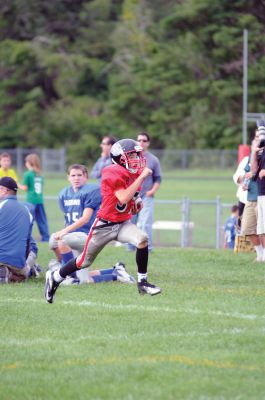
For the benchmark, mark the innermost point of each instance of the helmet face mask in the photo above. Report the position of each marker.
(128, 154)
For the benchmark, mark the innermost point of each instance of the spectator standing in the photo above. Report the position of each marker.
(230, 228)
(105, 159)
(144, 219)
(5, 169)
(258, 171)
(119, 185)
(15, 234)
(250, 214)
(33, 183)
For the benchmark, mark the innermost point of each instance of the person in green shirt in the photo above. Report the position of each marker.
(33, 182)
(5, 170)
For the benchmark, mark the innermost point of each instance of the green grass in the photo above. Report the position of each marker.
(195, 184)
(202, 338)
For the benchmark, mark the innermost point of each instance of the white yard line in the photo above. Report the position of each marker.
(143, 335)
(136, 307)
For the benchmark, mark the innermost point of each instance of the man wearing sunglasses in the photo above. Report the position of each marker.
(144, 219)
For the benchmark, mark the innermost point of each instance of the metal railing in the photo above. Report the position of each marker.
(52, 160)
(193, 223)
(194, 158)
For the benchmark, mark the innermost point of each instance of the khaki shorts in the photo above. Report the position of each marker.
(261, 215)
(249, 219)
(124, 232)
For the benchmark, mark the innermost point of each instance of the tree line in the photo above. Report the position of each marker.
(74, 71)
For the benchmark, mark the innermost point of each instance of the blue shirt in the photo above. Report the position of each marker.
(101, 163)
(230, 231)
(15, 231)
(153, 163)
(32, 245)
(73, 204)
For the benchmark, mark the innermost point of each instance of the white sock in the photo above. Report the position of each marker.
(259, 251)
(57, 277)
(263, 254)
(141, 276)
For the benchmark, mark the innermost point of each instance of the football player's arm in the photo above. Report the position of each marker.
(125, 195)
(87, 214)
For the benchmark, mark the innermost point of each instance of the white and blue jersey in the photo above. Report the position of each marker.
(15, 231)
(73, 204)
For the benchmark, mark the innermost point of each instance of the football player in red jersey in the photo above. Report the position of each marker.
(119, 188)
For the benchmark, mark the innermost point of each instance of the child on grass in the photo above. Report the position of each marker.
(230, 228)
(33, 182)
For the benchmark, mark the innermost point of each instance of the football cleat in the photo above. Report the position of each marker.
(145, 287)
(50, 286)
(121, 274)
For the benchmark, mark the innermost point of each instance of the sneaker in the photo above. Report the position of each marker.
(54, 264)
(4, 275)
(35, 271)
(121, 274)
(50, 286)
(69, 280)
(145, 287)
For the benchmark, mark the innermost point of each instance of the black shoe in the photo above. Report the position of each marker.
(145, 287)
(50, 286)
(35, 271)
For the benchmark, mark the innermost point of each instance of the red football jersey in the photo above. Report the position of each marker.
(115, 177)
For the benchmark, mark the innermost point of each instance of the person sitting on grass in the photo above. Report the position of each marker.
(18, 251)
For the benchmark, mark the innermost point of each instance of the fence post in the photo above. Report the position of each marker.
(19, 157)
(218, 222)
(62, 159)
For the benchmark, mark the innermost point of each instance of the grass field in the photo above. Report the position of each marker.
(202, 338)
(195, 184)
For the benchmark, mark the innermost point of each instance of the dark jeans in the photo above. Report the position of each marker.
(41, 219)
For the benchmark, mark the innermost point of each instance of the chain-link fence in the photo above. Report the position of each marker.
(181, 223)
(192, 159)
(190, 223)
(52, 160)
